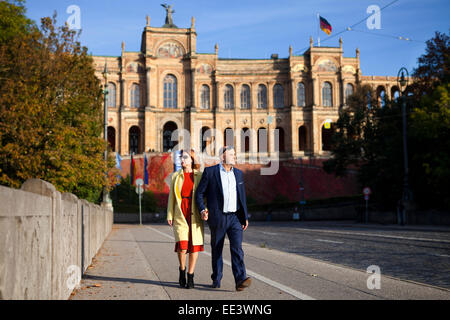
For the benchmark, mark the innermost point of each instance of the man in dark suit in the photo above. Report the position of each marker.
(223, 187)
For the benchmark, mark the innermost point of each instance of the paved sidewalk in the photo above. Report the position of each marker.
(139, 263)
(120, 271)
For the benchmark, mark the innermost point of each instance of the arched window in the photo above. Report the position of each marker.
(134, 96)
(278, 96)
(228, 97)
(111, 97)
(245, 97)
(301, 98)
(134, 136)
(302, 138)
(348, 91)
(170, 92)
(262, 97)
(327, 97)
(204, 97)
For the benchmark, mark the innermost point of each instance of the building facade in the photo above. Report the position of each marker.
(168, 85)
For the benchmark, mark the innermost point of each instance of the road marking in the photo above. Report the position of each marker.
(440, 255)
(374, 235)
(322, 240)
(270, 233)
(253, 274)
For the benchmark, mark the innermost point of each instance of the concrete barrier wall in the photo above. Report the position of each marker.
(47, 240)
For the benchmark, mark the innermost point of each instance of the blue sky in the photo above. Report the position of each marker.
(256, 29)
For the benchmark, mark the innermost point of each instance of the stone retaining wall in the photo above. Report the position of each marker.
(47, 240)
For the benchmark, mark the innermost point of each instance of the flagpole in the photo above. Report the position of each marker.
(318, 29)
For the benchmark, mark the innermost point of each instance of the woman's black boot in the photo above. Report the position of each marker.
(190, 281)
(182, 280)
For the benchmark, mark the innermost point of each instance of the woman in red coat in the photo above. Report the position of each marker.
(183, 216)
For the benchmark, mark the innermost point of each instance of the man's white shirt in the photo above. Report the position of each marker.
(229, 189)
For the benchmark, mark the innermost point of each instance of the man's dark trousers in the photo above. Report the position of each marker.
(233, 228)
(222, 224)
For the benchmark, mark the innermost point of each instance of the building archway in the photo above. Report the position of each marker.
(262, 140)
(134, 140)
(327, 135)
(302, 138)
(279, 143)
(381, 96)
(205, 140)
(228, 137)
(168, 130)
(112, 138)
(245, 140)
(395, 93)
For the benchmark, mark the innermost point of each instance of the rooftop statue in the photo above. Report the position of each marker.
(169, 20)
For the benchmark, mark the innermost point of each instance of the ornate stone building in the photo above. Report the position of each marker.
(168, 85)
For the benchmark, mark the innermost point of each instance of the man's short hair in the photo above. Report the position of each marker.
(225, 149)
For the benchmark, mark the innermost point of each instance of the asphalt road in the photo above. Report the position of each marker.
(419, 254)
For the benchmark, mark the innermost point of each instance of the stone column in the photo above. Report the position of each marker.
(294, 101)
(270, 96)
(148, 70)
(125, 94)
(193, 90)
(315, 92)
(341, 90)
(122, 92)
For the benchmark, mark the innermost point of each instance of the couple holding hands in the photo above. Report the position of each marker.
(225, 210)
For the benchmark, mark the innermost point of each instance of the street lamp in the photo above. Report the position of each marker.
(106, 199)
(405, 202)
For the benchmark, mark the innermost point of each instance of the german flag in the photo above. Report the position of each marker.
(325, 25)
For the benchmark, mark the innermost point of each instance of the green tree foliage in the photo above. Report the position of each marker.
(367, 138)
(430, 123)
(50, 111)
(371, 139)
(13, 20)
(433, 66)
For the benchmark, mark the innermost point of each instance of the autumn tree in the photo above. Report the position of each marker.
(13, 20)
(50, 110)
(369, 137)
(429, 124)
(433, 66)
